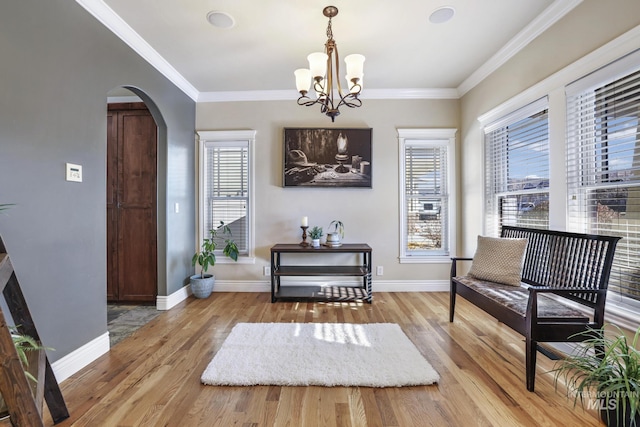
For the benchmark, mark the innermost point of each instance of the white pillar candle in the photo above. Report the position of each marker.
(305, 221)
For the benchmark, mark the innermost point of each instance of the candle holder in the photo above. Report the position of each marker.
(304, 235)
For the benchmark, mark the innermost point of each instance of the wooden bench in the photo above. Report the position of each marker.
(563, 289)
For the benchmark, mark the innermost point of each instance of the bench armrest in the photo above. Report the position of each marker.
(454, 264)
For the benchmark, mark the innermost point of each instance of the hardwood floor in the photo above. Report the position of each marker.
(152, 378)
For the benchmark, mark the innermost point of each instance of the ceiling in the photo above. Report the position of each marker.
(406, 55)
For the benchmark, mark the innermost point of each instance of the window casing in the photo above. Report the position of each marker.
(603, 167)
(226, 187)
(427, 184)
(517, 169)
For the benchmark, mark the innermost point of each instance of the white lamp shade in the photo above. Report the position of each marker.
(303, 79)
(355, 65)
(318, 64)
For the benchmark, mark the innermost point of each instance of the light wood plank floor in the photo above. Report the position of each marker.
(152, 378)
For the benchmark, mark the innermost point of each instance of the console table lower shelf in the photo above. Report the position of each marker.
(361, 269)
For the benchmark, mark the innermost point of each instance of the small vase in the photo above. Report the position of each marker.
(315, 243)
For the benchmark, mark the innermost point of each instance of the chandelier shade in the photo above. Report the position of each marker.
(324, 72)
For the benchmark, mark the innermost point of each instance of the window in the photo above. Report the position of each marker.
(603, 169)
(225, 186)
(427, 205)
(517, 169)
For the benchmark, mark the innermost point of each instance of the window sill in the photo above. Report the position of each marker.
(241, 260)
(426, 259)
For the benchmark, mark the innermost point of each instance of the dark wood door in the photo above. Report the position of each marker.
(131, 204)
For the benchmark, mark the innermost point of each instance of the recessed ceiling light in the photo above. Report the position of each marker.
(220, 19)
(442, 14)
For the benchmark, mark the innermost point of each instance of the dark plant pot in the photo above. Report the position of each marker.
(613, 418)
(202, 287)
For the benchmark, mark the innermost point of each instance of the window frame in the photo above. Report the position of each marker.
(444, 137)
(226, 138)
(492, 222)
(587, 172)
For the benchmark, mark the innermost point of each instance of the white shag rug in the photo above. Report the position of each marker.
(323, 354)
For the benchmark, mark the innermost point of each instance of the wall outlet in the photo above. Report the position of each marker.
(379, 271)
(266, 270)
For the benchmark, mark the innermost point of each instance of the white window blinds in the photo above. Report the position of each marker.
(517, 169)
(603, 169)
(226, 188)
(427, 198)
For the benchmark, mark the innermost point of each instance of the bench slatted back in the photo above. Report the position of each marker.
(563, 260)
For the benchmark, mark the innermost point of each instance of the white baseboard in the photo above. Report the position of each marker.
(411, 286)
(81, 357)
(167, 302)
(242, 286)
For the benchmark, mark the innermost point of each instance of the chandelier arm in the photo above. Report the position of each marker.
(356, 88)
(305, 101)
(351, 101)
(317, 86)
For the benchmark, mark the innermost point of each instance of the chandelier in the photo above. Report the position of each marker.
(324, 69)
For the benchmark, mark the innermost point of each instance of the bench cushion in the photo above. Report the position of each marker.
(515, 299)
(499, 260)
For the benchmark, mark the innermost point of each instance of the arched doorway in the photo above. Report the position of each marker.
(131, 199)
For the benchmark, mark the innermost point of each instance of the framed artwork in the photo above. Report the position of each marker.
(318, 157)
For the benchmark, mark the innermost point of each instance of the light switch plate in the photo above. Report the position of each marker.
(74, 172)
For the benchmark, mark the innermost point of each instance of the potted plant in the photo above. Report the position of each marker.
(32, 355)
(334, 238)
(608, 368)
(315, 233)
(202, 284)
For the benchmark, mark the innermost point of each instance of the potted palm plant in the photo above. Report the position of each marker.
(606, 367)
(202, 284)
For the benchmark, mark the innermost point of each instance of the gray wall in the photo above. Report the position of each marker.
(57, 64)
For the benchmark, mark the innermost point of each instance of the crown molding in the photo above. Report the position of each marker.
(288, 95)
(539, 25)
(116, 25)
(425, 93)
(623, 45)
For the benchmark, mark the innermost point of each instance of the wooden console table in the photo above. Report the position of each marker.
(320, 293)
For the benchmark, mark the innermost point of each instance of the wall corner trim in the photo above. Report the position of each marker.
(167, 302)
